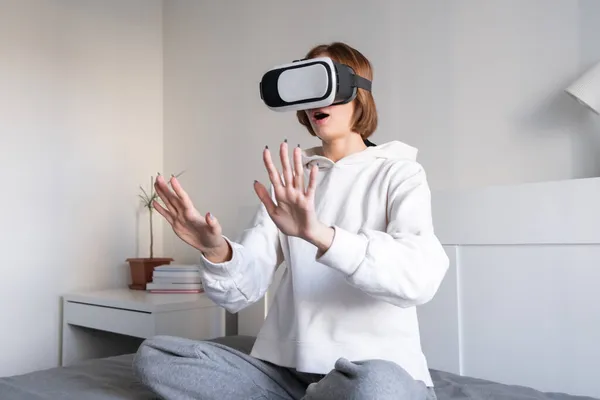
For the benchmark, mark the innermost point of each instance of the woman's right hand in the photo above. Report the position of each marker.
(202, 232)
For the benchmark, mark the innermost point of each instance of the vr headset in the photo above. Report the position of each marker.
(310, 83)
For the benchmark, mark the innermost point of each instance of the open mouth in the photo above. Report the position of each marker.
(320, 115)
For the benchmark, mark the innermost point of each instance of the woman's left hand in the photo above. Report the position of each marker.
(294, 214)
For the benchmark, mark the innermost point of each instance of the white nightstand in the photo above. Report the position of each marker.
(111, 322)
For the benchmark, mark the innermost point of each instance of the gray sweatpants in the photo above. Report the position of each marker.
(177, 369)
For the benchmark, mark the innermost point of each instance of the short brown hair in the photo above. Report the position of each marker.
(364, 118)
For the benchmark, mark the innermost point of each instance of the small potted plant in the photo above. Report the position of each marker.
(141, 268)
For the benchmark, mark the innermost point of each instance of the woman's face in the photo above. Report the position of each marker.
(332, 122)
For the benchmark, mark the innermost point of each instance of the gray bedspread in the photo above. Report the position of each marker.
(103, 379)
(112, 379)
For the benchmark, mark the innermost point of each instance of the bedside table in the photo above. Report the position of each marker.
(112, 322)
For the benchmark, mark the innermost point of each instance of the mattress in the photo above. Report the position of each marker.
(112, 379)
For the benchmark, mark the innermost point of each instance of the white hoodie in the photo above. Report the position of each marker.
(358, 299)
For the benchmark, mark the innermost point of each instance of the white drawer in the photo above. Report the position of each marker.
(126, 322)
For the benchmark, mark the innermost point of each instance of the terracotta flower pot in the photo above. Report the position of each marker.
(142, 269)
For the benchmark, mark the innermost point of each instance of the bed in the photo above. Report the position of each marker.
(112, 378)
(519, 304)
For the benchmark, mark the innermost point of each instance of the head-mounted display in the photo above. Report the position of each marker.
(310, 83)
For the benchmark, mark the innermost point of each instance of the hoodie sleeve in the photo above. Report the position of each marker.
(245, 278)
(404, 265)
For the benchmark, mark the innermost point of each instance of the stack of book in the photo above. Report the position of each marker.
(175, 279)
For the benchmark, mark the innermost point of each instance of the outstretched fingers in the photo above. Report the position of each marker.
(272, 170)
(166, 195)
(298, 170)
(182, 195)
(312, 182)
(265, 198)
(164, 212)
(285, 164)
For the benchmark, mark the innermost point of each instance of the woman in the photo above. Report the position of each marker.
(353, 225)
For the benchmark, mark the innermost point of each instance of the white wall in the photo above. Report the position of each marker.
(512, 123)
(80, 130)
(477, 86)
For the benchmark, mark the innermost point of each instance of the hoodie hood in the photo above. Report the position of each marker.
(394, 150)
